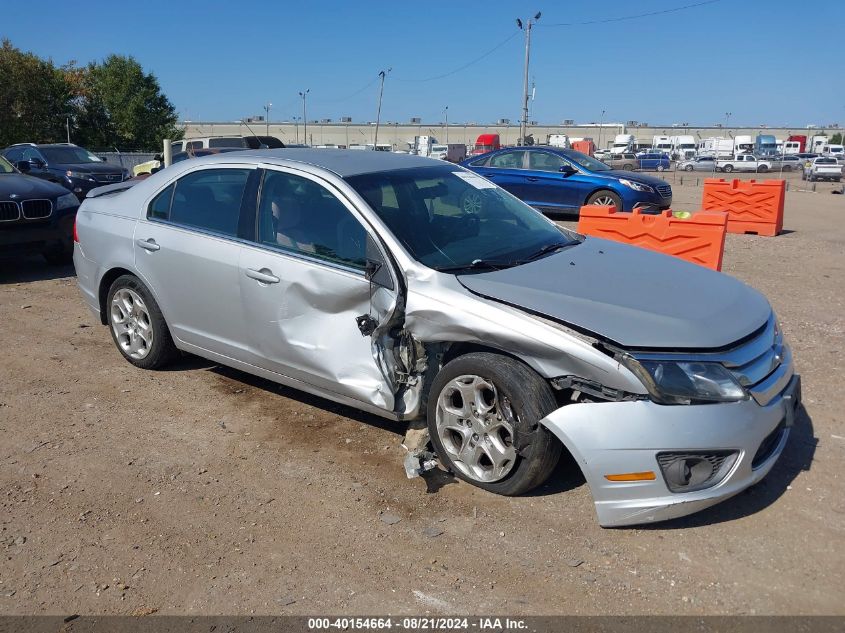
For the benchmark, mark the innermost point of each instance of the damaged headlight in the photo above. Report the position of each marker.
(683, 382)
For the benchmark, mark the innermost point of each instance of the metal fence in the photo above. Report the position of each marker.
(126, 159)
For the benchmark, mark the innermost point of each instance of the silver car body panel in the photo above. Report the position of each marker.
(562, 320)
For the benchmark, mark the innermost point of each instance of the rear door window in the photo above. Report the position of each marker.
(508, 160)
(208, 199)
(545, 161)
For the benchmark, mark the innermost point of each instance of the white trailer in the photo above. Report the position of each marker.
(560, 140)
(717, 147)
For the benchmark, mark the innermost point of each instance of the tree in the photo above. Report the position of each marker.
(34, 98)
(836, 139)
(118, 104)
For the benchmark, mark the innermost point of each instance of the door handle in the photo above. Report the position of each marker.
(265, 275)
(148, 245)
(531, 179)
(493, 175)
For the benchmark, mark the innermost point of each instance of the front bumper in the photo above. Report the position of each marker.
(625, 437)
(36, 236)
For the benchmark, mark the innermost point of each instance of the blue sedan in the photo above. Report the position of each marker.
(562, 180)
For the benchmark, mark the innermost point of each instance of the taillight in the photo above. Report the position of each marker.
(75, 234)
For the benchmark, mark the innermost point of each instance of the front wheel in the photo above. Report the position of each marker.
(728, 168)
(137, 325)
(660, 168)
(763, 169)
(688, 168)
(484, 420)
(606, 198)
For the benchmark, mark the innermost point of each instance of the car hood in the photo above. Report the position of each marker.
(634, 176)
(630, 296)
(89, 168)
(28, 187)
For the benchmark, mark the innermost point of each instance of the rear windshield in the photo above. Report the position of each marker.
(68, 155)
(826, 161)
(226, 142)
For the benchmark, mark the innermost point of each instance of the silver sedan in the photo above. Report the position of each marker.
(419, 291)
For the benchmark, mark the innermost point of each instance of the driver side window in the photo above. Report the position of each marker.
(298, 215)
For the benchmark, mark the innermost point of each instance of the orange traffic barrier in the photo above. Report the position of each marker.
(696, 237)
(752, 206)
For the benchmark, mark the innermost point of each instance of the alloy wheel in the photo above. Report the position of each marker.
(475, 425)
(130, 321)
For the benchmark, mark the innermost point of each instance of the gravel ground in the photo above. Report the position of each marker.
(204, 490)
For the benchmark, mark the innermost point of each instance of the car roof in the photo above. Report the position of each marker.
(343, 162)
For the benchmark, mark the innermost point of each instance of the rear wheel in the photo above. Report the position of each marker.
(627, 166)
(728, 168)
(137, 325)
(484, 420)
(763, 169)
(606, 198)
(688, 168)
(660, 168)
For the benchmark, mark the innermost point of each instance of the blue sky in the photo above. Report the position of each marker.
(765, 61)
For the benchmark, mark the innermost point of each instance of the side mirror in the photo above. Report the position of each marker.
(376, 270)
(568, 170)
(23, 166)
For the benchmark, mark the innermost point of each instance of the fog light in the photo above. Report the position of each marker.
(690, 471)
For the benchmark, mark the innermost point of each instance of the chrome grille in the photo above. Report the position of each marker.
(37, 209)
(762, 365)
(9, 211)
(108, 177)
(664, 190)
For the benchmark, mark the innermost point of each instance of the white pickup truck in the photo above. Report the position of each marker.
(743, 162)
(823, 168)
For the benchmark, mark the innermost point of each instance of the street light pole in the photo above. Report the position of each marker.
(523, 126)
(267, 118)
(727, 120)
(304, 116)
(446, 112)
(382, 74)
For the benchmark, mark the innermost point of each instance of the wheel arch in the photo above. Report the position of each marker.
(604, 187)
(103, 289)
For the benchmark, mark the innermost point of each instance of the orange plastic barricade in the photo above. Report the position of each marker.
(752, 206)
(696, 237)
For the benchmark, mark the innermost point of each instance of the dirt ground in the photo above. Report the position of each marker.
(204, 490)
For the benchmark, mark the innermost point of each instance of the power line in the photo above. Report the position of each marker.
(465, 66)
(633, 17)
(354, 94)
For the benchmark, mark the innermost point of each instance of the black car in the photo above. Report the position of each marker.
(69, 165)
(35, 216)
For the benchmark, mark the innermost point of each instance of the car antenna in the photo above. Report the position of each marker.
(260, 145)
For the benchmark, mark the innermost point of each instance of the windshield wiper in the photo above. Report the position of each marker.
(545, 250)
(476, 264)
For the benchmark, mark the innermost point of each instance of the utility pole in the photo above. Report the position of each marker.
(446, 113)
(296, 127)
(267, 118)
(304, 116)
(381, 74)
(727, 120)
(523, 124)
(601, 123)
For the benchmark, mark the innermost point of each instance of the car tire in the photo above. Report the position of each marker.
(627, 167)
(513, 399)
(661, 168)
(607, 198)
(688, 168)
(728, 168)
(762, 169)
(787, 168)
(137, 325)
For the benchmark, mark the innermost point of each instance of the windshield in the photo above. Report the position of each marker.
(452, 219)
(585, 161)
(6, 166)
(68, 155)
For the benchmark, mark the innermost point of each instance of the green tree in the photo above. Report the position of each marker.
(836, 139)
(118, 104)
(34, 98)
